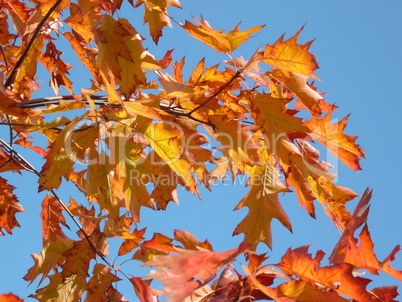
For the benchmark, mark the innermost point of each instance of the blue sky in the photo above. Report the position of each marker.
(358, 44)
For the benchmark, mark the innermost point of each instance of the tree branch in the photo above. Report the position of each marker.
(35, 34)
(27, 165)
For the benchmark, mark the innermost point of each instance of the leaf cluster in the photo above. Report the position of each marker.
(143, 129)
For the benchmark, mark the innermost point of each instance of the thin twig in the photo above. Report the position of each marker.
(27, 165)
(35, 34)
(4, 56)
(234, 77)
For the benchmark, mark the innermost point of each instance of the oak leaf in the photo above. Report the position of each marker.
(307, 94)
(331, 135)
(100, 284)
(290, 56)
(222, 42)
(338, 277)
(51, 255)
(121, 52)
(52, 219)
(263, 204)
(155, 14)
(68, 289)
(9, 206)
(185, 271)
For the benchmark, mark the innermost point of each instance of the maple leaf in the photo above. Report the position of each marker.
(338, 277)
(9, 206)
(339, 144)
(188, 269)
(262, 201)
(216, 39)
(155, 14)
(290, 56)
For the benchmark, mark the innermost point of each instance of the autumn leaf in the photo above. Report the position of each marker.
(271, 114)
(165, 139)
(338, 277)
(68, 289)
(307, 94)
(52, 219)
(290, 56)
(58, 161)
(216, 39)
(24, 81)
(155, 14)
(101, 283)
(9, 206)
(331, 135)
(51, 255)
(185, 271)
(121, 52)
(263, 204)
(10, 298)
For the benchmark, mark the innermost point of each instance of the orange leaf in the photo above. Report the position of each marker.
(9, 206)
(339, 144)
(121, 52)
(216, 39)
(306, 93)
(134, 108)
(271, 114)
(165, 139)
(338, 277)
(10, 298)
(131, 243)
(155, 14)
(183, 273)
(290, 56)
(52, 219)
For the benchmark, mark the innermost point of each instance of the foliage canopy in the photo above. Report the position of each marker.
(143, 129)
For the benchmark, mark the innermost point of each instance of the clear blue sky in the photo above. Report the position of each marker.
(359, 48)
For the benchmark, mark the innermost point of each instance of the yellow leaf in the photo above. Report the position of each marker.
(166, 140)
(216, 39)
(262, 201)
